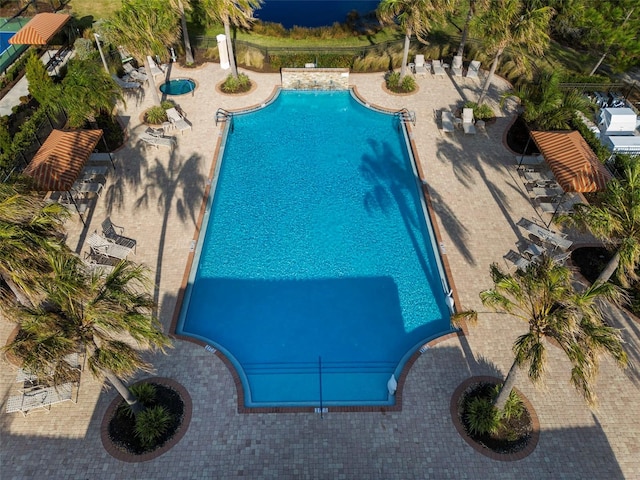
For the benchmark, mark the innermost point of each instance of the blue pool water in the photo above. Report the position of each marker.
(311, 13)
(178, 86)
(4, 40)
(315, 246)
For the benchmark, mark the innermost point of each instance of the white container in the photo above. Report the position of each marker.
(223, 51)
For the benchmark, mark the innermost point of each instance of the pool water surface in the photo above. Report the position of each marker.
(316, 274)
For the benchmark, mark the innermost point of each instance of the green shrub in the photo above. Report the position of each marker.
(151, 424)
(16, 69)
(406, 85)
(84, 48)
(236, 85)
(481, 416)
(480, 112)
(155, 115)
(602, 152)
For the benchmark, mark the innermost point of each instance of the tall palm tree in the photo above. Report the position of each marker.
(615, 219)
(143, 27)
(474, 5)
(414, 17)
(509, 23)
(92, 313)
(31, 231)
(544, 298)
(546, 106)
(228, 12)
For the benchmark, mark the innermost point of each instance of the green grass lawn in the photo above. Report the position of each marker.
(96, 9)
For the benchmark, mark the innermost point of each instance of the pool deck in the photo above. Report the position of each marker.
(477, 196)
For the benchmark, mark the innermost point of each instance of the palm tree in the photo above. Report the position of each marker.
(143, 27)
(92, 313)
(179, 6)
(545, 105)
(473, 6)
(615, 219)
(414, 17)
(236, 12)
(544, 298)
(31, 231)
(508, 23)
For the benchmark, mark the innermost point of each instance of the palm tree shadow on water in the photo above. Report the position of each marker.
(178, 183)
(390, 177)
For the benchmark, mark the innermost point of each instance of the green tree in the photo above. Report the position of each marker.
(85, 91)
(615, 219)
(545, 105)
(41, 85)
(509, 23)
(474, 6)
(238, 13)
(31, 231)
(414, 17)
(143, 27)
(544, 298)
(92, 313)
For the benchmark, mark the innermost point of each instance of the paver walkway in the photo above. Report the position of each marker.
(478, 198)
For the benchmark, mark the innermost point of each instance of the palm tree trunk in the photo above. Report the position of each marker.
(465, 30)
(489, 79)
(232, 59)
(152, 82)
(405, 53)
(185, 35)
(124, 392)
(610, 269)
(599, 62)
(505, 391)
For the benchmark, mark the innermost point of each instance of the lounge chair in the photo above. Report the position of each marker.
(456, 66)
(474, 69)
(114, 233)
(467, 121)
(158, 141)
(539, 179)
(419, 67)
(126, 85)
(155, 69)
(564, 205)
(124, 55)
(100, 245)
(530, 160)
(438, 69)
(518, 260)
(558, 240)
(539, 192)
(134, 74)
(40, 398)
(177, 120)
(88, 187)
(534, 250)
(447, 122)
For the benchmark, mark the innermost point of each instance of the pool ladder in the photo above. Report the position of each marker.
(406, 116)
(223, 115)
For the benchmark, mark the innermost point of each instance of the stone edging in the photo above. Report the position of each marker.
(131, 458)
(504, 457)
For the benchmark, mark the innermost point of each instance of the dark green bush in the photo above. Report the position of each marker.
(406, 85)
(151, 424)
(236, 85)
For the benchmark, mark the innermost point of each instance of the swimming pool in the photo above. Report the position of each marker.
(316, 270)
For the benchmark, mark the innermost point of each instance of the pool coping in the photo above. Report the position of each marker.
(241, 407)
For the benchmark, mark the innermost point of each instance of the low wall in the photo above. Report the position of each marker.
(315, 78)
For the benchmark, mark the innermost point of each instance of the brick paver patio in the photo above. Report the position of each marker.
(478, 198)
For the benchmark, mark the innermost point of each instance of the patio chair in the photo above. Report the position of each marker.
(40, 398)
(124, 55)
(558, 240)
(419, 67)
(88, 187)
(447, 122)
(539, 179)
(438, 69)
(474, 69)
(158, 141)
(100, 245)
(467, 121)
(126, 85)
(563, 205)
(541, 192)
(518, 260)
(134, 74)
(178, 120)
(155, 69)
(114, 233)
(456, 66)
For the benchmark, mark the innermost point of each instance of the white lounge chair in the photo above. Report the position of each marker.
(438, 69)
(100, 245)
(447, 122)
(558, 240)
(126, 85)
(518, 260)
(540, 179)
(134, 74)
(158, 141)
(419, 66)
(563, 205)
(474, 69)
(40, 398)
(114, 233)
(467, 121)
(155, 69)
(177, 120)
(539, 192)
(456, 66)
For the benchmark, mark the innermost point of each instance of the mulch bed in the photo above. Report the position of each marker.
(122, 426)
(591, 261)
(518, 136)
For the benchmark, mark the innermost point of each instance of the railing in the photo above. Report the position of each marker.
(223, 115)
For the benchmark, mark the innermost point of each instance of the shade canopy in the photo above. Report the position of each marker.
(573, 163)
(40, 29)
(57, 164)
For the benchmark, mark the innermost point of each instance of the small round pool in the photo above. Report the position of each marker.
(178, 86)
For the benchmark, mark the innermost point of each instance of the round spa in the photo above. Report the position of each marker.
(178, 86)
